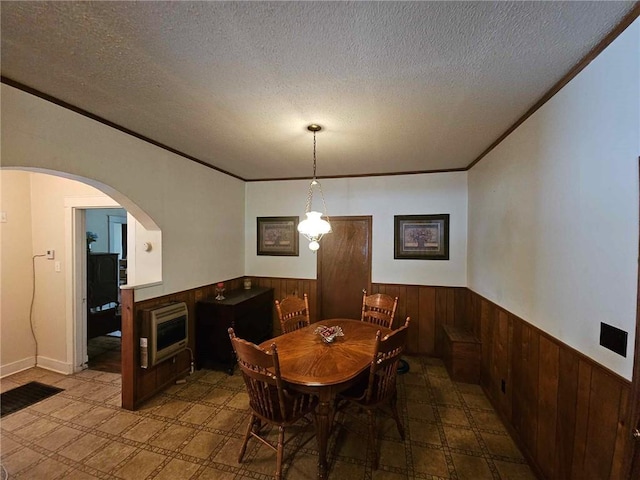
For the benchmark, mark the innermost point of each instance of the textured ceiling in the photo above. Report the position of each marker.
(397, 86)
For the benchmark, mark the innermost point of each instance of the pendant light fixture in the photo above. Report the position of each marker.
(314, 226)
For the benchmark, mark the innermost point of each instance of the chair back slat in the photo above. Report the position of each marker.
(269, 400)
(384, 365)
(261, 374)
(379, 309)
(293, 313)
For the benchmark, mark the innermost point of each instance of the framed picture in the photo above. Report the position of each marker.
(278, 236)
(421, 237)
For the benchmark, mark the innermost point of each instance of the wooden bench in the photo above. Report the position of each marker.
(462, 355)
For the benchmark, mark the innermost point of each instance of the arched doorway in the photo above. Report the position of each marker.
(59, 201)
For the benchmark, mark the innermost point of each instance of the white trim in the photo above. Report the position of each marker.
(93, 201)
(17, 366)
(75, 280)
(55, 365)
(140, 287)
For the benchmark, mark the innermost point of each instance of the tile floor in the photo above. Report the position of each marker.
(194, 431)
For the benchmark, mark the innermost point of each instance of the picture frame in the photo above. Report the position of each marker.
(421, 237)
(277, 236)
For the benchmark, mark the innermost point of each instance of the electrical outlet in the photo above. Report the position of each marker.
(51, 254)
(503, 386)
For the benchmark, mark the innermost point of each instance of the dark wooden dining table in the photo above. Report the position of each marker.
(310, 365)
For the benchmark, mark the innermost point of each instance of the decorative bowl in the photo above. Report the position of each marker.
(329, 334)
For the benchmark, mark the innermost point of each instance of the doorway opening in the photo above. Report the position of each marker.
(106, 234)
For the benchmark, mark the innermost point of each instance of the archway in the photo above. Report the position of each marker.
(145, 267)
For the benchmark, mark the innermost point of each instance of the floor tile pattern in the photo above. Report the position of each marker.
(194, 431)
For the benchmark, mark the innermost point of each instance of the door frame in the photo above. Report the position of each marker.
(369, 220)
(632, 451)
(76, 279)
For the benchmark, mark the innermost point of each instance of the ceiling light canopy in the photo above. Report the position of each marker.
(314, 227)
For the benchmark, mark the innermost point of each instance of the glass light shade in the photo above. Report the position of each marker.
(314, 246)
(313, 227)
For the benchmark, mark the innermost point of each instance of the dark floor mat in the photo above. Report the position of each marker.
(25, 395)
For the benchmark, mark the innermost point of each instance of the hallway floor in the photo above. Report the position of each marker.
(194, 431)
(104, 353)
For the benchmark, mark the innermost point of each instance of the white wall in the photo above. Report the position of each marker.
(199, 211)
(35, 210)
(553, 210)
(48, 194)
(381, 197)
(17, 349)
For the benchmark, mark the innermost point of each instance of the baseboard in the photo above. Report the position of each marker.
(18, 366)
(55, 365)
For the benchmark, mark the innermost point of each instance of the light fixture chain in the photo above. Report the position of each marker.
(309, 197)
(324, 205)
(314, 226)
(314, 155)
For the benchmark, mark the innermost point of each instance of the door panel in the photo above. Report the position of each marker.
(344, 267)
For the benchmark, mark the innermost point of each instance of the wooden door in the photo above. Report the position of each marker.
(344, 267)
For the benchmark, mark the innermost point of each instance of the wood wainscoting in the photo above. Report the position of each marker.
(429, 309)
(289, 286)
(138, 384)
(567, 412)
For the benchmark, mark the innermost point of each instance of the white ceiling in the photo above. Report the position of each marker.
(397, 86)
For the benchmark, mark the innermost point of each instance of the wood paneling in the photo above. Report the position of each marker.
(429, 308)
(567, 412)
(128, 344)
(547, 405)
(138, 384)
(566, 421)
(288, 286)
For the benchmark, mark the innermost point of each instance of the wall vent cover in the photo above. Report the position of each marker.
(614, 339)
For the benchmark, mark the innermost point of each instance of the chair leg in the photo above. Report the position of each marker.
(252, 421)
(394, 411)
(372, 437)
(280, 452)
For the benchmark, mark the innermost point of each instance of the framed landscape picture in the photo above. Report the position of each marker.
(278, 236)
(421, 237)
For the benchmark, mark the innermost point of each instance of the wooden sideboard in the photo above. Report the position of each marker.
(249, 312)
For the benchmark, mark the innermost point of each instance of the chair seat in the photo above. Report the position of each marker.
(296, 405)
(357, 393)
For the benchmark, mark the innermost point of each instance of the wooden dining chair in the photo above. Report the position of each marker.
(379, 308)
(379, 388)
(293, 313)
(270, 401)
